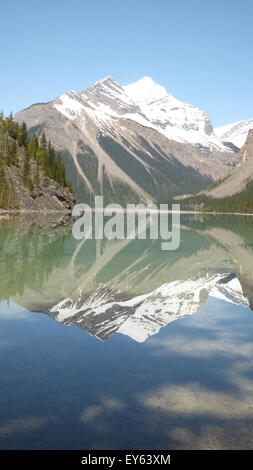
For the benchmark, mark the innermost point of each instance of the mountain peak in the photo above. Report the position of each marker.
(148, 81)
(145, 90)
(106, 81)
(105, 85)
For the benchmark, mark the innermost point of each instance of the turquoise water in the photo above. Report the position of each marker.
(115, 345)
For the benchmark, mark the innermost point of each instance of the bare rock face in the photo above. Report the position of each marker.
(247, 150)
(48, 197)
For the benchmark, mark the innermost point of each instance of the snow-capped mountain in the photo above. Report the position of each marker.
(143, 316)
(147, 103)
(236, 132)
(135, 140)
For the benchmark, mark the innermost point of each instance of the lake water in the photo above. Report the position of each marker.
(119, 345)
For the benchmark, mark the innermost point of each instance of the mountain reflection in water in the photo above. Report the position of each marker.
(124, 286)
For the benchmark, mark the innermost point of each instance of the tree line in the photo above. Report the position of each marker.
(241, 202)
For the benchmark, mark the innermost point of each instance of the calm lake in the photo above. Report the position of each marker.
(119, 345)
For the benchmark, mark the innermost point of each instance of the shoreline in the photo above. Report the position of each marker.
(38, 212)
(32, 211)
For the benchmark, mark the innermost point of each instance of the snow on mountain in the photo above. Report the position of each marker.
(176, 120)
(145, 91)
(69, 105)
(145, 102)
(177, 300)
(167, 303)
(230, 292)
(144, 315)
(236, 132)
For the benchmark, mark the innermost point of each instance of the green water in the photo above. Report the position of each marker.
(117, 344)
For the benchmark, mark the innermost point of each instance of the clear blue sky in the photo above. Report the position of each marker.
(200, 50)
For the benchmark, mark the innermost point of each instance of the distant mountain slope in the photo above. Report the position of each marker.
(234, 194)
(129, 148)
(240, 176)
(236, 132)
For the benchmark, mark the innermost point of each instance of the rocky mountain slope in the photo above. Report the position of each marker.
(130, 143)
(241, 176)
(236, 133)
(31, 176)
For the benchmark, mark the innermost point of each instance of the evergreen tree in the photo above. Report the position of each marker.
(27, 171)
(44, 141)
(22, 135)
(13, 154)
